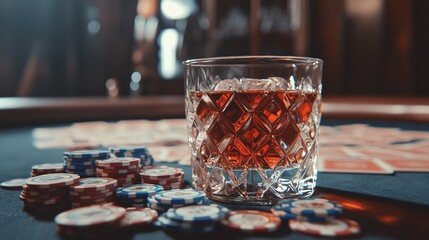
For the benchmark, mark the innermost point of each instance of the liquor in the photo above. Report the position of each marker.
(252, 130)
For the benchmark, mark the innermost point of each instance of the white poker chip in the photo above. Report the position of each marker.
(331, 228)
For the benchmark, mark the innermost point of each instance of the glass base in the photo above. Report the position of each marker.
(257, 187)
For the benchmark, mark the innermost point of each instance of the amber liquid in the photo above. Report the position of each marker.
(252, 129)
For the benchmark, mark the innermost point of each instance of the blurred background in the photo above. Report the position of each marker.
(134, 48)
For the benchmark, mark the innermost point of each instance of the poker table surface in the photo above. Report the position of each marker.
(386, 206)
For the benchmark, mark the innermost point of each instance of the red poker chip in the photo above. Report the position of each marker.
(132, 167)
(331, 228)
(95, 200)
(13, 184)
(118, 171)
(114, 175)
(91, 196)
(251, 221)
(159, 173)
(163, 181)
(136, 217)
(92, 216)
(94, 184)
(47, 167)
(95, 192)
(118, 162)
(52, 180)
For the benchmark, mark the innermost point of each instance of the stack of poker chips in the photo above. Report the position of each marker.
(90, 191)
(168, 177)
(192, 219)
(316, 216)
(91, 222)
(133, 151)
(165, 200)
(123, 169)
(136, 195)
(83, 162)
(48, 192)
(46, 168)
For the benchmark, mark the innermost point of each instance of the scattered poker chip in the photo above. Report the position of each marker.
(53, 180)
(331, 228)
(90, 216)
(180, 196)
(137, 217)
(94, 184)
(14, 184)
(197, 213)
(251, 221)
(120, 161)
(317, 207)
(138, 190)
(87, 154)
(158, 173)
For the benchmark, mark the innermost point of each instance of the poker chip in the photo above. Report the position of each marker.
(168, 177)
(13, 184)
(87, 154)
(94, 184)
(197, 213)
(317, 207)
(136, 195)
(331, 228)
(133, 151)
(83, 162)
(251, 221)
(48, 192)
(278, 211)
(53, 180)
(184, 227)
(138, 190)
(137, 217)
(180, 196)
(46, 168)
(158, 173)
(162, 207)
(94, 190)
(120, 162)
(91, 222)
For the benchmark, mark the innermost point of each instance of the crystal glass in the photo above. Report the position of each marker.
(253, 126)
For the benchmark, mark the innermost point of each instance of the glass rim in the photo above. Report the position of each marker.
(250, 60)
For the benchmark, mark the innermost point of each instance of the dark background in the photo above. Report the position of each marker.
(73, 47)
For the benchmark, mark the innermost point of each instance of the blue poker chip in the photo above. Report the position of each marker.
(83, 154)
(197, 213)
(180, 196)
(313, 208)
(278, 211)
(80, 163)
(139, 190)
(129, 149)
(187, 227)
(78, 167)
